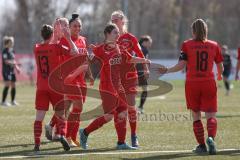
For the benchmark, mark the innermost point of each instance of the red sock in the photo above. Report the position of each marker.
(70, 124)
(37, 132)
(76, 125)
(97, 123)
(75, 130)
(69, 128)
(120, 122)
(212, 127)
(199, 131)
(53, 121)
(132, 117)
(61, 126)
(73, 123)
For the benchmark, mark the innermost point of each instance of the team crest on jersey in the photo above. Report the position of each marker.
(115, 60)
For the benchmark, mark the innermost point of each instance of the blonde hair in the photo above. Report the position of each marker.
(120, 15)
(200, 29)
(58, 25)
(61, 21)
(7, 40)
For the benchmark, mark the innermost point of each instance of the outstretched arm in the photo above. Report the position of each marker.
(139, 60)
(70, 78)
(178, 67)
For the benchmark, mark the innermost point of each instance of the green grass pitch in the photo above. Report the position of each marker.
(165, 126)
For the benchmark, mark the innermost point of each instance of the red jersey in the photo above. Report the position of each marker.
(238, 57)
(130, 43)
(200, 57)
(112, 59)
(80, 43)
(48, 57)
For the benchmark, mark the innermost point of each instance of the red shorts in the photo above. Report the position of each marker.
(83, 92)
(109, 102)
(44, 97)
(130, 86)
(201, 95)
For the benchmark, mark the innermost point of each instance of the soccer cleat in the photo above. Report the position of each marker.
(48, 132)
(83, 139)
(134, 140)
(5, 104)
(70, 142)
(56, 137)
(64, 143)
(77, 143)
(140, 110)
(36, 149)
(211, 146)
(200, 149)
(14, 103)
(125, 146)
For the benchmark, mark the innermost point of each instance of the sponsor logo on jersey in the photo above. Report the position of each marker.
(115, 60)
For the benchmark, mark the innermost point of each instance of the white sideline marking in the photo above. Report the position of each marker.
(106, 153)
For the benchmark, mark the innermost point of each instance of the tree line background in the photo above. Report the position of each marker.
(166, 21)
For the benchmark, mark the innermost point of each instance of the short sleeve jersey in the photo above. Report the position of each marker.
(48, 57)
(129, 43)
(7, 54)
(200, 57)
(80, 43)
(112, 60)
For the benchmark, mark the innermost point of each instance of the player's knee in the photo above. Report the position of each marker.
(12, 84)
(210, 115)
(40, 115)
(196, 116)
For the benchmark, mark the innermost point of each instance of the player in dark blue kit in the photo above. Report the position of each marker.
(8, 71)
(145, 43)
(227, 64)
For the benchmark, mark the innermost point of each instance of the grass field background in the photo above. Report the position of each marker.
(165, 126)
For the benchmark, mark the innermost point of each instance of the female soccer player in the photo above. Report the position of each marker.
(145, 42)
(227, 65)
(198, 55)
(48, 57)
(110, 87)
(9, 65)
(128, 42)
(73, 122)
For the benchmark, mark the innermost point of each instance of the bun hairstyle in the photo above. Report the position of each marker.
(75, 16)
(46, 31)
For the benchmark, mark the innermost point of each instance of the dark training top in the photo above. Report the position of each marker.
(7, 54)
